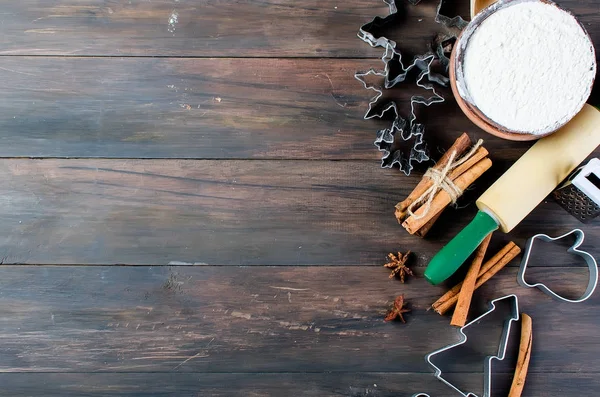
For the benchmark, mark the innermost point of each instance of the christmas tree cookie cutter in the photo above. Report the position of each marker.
(589, 259)
(487, 380)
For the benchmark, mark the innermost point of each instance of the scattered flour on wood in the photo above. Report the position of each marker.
(173, 20)
(529, 67)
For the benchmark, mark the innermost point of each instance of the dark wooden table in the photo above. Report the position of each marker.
(191, 205)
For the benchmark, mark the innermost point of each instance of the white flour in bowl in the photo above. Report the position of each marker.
(529, 67)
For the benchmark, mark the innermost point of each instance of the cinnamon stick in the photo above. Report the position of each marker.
(458, 171)
(479, 154)
(459, 317)
(459, 146)
(442, 198)
(496, 258)
(512, 254)
(454, 291)
(447, 297)
(402, 207)
(516, 389)
(426, 227)
(487, 271)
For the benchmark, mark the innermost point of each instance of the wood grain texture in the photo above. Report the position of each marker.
(185, 108)
(247, 28)
(361, 384)
(265, 319)
(208, 109)
(225, 213)
(169, 80)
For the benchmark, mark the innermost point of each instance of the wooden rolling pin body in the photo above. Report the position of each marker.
(539, 171)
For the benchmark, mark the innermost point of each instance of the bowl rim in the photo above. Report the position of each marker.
(459, 88)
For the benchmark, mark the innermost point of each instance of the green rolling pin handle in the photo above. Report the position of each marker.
(458, 250)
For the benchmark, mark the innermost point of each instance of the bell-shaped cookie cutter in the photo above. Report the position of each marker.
(589, 259)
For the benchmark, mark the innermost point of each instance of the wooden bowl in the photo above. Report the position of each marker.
(471, 110)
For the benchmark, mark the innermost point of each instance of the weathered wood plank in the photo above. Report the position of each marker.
(262, 319)
(275, 28)
(207, 108)
(224, 213)
(185, 108)
(248, 28)
(313, 385)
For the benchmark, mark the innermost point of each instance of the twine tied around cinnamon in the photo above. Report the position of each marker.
(441, 181)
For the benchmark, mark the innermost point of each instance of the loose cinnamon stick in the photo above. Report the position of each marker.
(487, 271)
(459, 317)
(516, 389)
(459, 146)
(512, 254)
(486, 266)
(442, 198)
(497, 257)
(445, 299)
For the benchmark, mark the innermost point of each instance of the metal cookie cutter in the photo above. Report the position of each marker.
(580, 193)
(589, 259)
(401, 127)
(404, 128)
(487, 381)
(427, 395)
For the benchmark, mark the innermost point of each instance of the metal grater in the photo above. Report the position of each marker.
(580, 193)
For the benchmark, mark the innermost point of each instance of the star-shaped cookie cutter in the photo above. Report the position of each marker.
(589, 259)
(402, 127)
(487, 380)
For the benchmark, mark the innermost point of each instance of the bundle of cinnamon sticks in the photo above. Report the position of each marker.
(457, 170)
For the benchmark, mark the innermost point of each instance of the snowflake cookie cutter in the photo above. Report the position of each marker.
(451, 22)
(406, 129)
(589, 259)
(401, 127)
(487, 380)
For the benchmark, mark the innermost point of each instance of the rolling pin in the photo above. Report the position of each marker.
(516, 193)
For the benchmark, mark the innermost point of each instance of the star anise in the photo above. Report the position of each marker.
(397, 310)
(398, 265)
